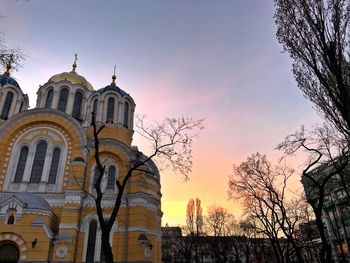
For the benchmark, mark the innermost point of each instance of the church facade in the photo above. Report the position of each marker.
(47, 169)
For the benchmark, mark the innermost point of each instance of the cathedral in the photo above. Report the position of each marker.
(47, 169)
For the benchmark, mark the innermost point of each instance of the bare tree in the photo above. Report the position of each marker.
(315, 33)
(328, 157)
(171, 142)
(194, 220)
(9, 57)
(222, 227)
(254, 181)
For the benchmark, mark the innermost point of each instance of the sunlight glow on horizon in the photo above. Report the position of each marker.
(202, 59)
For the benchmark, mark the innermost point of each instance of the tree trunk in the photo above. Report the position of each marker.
(106, 247)
(326, 250)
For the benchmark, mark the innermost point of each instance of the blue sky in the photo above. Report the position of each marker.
(214, 59)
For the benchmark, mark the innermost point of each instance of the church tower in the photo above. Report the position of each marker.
(47, 170)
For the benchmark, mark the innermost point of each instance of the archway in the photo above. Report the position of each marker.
(9, 252)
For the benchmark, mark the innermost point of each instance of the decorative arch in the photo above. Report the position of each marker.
(42, 165)
(9, 252)
(16, 240)
(111, 115)
(85, 227)
(15, 127)
(109, 177)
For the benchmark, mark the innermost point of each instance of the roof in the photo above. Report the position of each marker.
(30, 200)
(72, 77)
(112, 87)
(4, 79)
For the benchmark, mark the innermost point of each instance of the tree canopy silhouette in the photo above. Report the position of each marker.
(315, 33)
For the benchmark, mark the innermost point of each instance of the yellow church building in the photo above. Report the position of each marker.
(47, 168)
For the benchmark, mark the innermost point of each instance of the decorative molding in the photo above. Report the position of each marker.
(146, 230)
(70, 226)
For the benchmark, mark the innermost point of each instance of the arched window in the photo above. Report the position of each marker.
(38, 163)
(21, 164)
(110, 110)
(78, 100)
(7, 106)
(49, 98)
(94, 109)
(126, 114)
(11, 219)
(62, 102)
(111, 177)
(90, 251)
(54, 165)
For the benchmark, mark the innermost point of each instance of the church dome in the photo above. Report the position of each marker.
(12, 99)
(6, 79)
(73, 78)
(112, 87)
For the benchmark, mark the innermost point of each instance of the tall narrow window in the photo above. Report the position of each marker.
(78, 99)
(96, 174)
(90, 251)
(62, 102)
(126, 114)
(94, 110)
(49, 98)
(38, 163)
(111, 177)
(54, 165)
(21, 164)
(7, 106)
(110, 110)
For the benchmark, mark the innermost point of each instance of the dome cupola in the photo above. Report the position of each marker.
(72, 77)
(12, 99)
(112, 105)
(66, 92)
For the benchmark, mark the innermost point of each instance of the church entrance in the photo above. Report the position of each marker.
(9, 252)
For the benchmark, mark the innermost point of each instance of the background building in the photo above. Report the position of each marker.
(47, 169)
(336, 208)
(178, 248)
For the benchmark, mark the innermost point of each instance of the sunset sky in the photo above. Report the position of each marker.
(214, 59)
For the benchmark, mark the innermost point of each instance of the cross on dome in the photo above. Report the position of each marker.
(114, 77)
(75, 62)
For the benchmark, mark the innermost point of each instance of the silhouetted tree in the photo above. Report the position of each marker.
(221, 227)
(255, 182)
(9, 56)
(194, 220)
(328, 158)
(315, 33)
(171, 143)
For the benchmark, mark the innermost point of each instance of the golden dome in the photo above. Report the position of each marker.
(73, 78)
